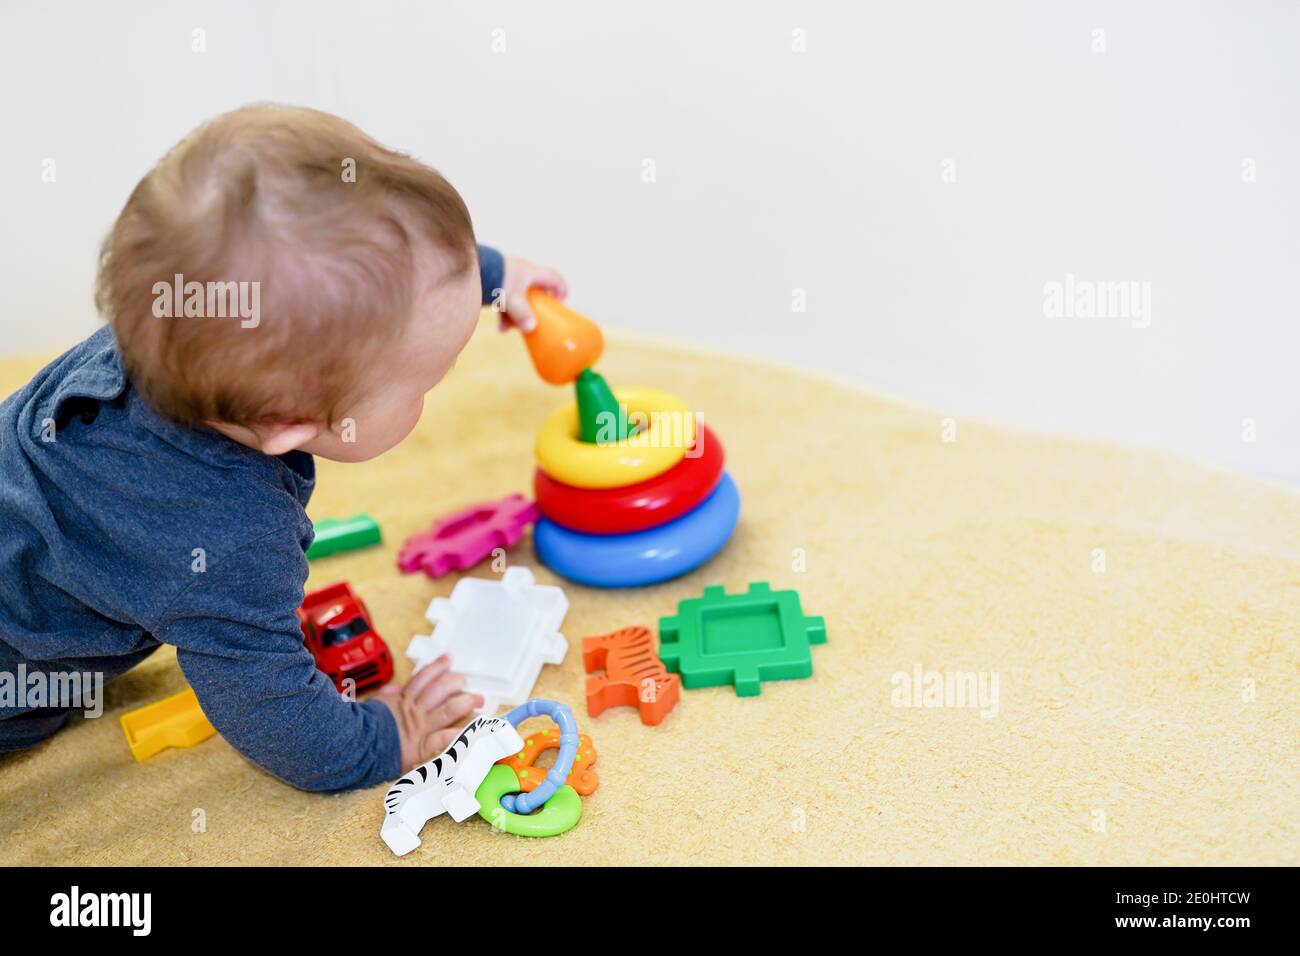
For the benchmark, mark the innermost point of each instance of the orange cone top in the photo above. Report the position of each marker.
(564, 342)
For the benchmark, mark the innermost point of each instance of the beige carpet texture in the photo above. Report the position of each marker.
(1131, 617)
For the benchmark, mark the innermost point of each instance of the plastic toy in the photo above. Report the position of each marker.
(561, 813)
(642, 557)
(599, 417)
(568, 751)
(634, 507)
(564, 342)
(343, 534)
(633, 675)
(498, 632)
(447, 783)
(621, 504)
(337, 630)
(175, 721)
(459, 541)
(740, 638)
(669, 431)
(580, 778)
(561, 808)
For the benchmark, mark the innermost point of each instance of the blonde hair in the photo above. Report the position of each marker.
(314, 211)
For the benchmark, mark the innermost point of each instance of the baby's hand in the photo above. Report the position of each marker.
(520, 276)
(430, 710)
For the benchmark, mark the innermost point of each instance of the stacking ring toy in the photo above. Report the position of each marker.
(670, 430)
(642, 557)
(562, 812)
(634, 507)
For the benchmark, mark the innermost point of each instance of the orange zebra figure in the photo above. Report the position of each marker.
(634, 675)
(581, 779)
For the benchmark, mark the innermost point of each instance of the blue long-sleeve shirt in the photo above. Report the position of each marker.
(121, 530)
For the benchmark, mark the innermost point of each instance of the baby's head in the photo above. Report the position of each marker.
(325, 283)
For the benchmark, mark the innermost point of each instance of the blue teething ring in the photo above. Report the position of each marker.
(525, 803)
(642, 557)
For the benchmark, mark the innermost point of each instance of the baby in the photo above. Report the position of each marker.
(279, 286)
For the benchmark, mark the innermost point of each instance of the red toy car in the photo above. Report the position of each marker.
(337, 630)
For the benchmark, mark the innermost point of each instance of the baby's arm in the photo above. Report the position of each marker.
(506, 281)
(238, 641)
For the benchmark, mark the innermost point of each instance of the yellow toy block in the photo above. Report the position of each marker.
(175, 721)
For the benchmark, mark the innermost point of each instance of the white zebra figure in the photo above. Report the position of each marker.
(446, 784)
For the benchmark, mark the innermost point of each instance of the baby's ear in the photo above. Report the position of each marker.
(276, 439)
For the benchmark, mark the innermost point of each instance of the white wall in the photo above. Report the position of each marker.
(776, 171)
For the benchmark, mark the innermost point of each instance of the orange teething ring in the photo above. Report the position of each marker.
(581, 779)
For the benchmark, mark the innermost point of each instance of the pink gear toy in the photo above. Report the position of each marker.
(461, 540)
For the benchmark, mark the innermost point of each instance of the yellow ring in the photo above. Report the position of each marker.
(563, 455)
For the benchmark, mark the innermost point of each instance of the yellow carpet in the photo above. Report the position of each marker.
(1147, 705)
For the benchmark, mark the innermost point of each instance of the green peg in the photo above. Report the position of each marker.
(598, 409)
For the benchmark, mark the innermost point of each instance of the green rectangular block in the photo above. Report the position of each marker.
(343, 534)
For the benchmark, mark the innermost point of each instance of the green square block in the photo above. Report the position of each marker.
(740, 639)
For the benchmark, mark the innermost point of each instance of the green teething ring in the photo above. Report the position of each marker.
(560, 813)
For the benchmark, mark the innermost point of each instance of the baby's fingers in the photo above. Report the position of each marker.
(436, 741)
(436, 692)
(520, 312)
(426, 676)
(455, 712)
(550, 281)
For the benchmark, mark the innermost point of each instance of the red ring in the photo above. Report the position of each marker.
(633, 507)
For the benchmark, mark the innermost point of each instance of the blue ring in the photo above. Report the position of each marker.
(642, 557)
(525, 803)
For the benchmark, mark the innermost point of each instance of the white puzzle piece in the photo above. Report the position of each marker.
(447, 783)
(499, 633)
